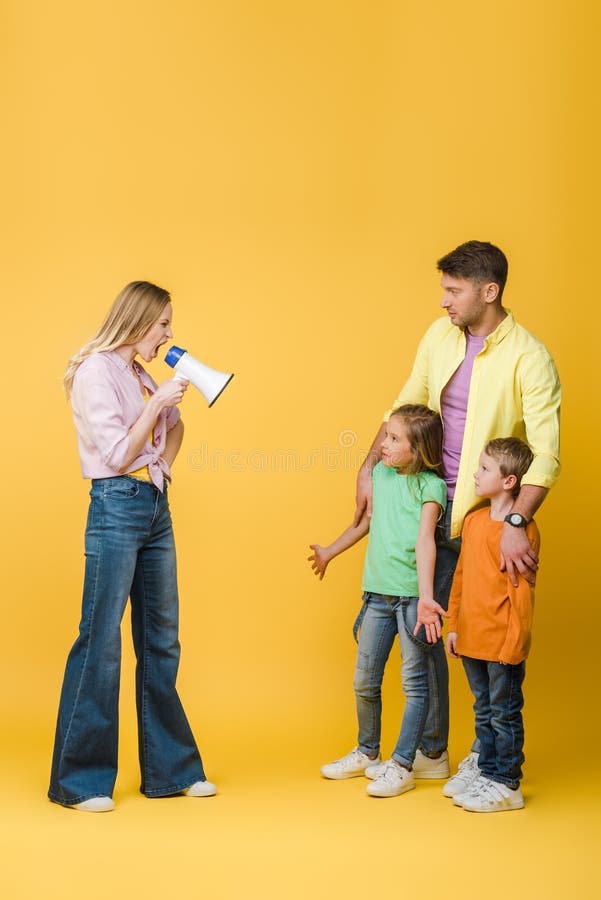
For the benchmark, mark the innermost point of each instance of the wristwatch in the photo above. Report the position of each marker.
(516, 520)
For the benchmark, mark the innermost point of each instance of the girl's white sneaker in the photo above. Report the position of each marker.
(349, 766)
(392, 781)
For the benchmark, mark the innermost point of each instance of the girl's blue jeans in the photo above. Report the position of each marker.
(381, 618)
(130, 551)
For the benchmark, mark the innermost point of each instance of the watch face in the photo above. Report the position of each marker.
(516, 519)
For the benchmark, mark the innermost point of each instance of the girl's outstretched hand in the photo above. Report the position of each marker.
(319, 560)
(428, 615)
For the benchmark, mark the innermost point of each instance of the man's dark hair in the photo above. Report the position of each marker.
(478, 261)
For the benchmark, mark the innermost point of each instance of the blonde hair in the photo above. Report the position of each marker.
(424, 432)
(512, 456)
(135, 310)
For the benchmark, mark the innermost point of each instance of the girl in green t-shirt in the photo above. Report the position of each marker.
(408, 499)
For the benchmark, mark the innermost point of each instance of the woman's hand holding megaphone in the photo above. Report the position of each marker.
(210, 382)
(171, 392)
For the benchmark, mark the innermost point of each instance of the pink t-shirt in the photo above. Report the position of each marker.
(106, 401)
(453, 408)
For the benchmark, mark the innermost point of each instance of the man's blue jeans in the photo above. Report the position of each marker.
(436, 728)
(381, 618)
(129, 552)
(497, 690)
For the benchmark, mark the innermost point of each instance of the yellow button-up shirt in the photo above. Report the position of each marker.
(514, 392)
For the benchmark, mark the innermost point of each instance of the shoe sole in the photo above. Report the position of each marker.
(498, 809)
(342, 777)
(403, 790)
(431, 776)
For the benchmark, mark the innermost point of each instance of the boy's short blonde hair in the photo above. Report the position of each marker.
(513, 457)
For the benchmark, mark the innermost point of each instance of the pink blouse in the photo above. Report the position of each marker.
(106, 401)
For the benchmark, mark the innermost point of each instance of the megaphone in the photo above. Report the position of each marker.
(209, 382)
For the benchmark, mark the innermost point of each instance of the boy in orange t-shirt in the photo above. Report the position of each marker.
(490, 623)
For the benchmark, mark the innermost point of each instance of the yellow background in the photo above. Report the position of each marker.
(290, 171)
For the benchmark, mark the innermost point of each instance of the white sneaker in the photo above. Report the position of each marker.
(349, 766)
(426, 767)
(392, 781)
(473, 786)
(95, 804)
(491, 796)
(466, 774)
(376, 768)
(201, 789)
(423, 766)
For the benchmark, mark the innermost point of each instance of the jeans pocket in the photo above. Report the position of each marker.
(121, 488)
(409, 608)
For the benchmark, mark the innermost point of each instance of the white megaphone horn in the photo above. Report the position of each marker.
(209, 382)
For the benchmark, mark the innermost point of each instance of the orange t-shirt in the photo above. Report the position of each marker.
(491, 617)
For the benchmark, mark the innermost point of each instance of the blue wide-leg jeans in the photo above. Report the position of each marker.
(130, 551)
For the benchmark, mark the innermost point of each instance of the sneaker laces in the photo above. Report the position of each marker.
(392, 773)
(355, 756)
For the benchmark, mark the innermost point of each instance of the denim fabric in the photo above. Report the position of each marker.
(382, 618)
(436, 729)
(129, 552)
(497, 690)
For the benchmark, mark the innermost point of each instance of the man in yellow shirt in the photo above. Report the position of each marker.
(488, 377)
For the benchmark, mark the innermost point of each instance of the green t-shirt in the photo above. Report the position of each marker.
(390, 566)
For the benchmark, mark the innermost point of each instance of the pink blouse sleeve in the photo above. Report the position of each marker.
(100, 417)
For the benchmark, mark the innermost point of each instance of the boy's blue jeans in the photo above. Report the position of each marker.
(497, 690)
(129, 552)
(381, 618)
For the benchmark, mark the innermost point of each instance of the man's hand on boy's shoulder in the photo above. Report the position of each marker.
(518, 556)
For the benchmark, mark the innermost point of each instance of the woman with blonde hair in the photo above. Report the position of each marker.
(129, 432)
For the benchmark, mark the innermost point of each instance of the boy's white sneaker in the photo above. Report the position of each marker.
(473, 786)
(95, 804)
(392, 781)
(491, 796)
(201, 789)
(349, 766)
(426, 767)
(465, 776)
